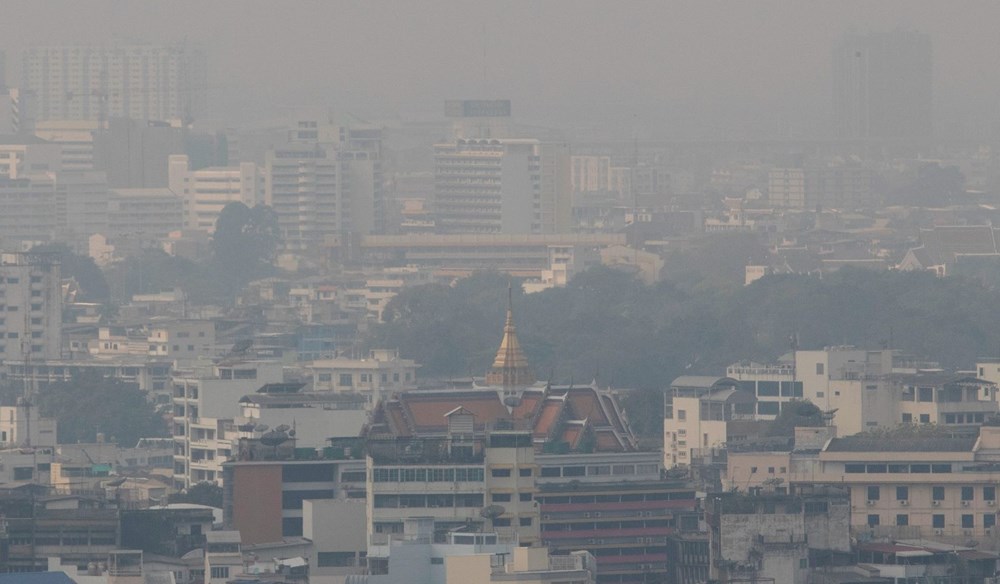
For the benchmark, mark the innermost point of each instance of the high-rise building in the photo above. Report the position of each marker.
(31, 326)
(488, 186)
(207, 190)
(304, 186)
(882, 85)
(147, 82)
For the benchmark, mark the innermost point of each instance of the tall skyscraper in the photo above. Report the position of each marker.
(882, 85)
(147, 82)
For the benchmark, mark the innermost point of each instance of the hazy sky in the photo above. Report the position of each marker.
(700, 67)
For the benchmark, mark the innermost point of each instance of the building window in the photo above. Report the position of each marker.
(873, 520)
(902, 520)
(968, 521)
(967, 493)
(937, 521)
(925, 418)
(989, 493)
(500, 472)
(873, 493)
(989, 520)
(819, 369)
(902, 493)
(907, 418)
(925, 394)
(220, 572)
(524, 497)
(501, 522)
(346, 380)
(501, 497)
(525, 522)
(437, 561)
(335, 559)
(937, 493)
(681, 415)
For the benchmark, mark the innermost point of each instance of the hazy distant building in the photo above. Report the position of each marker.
(501, 186)
(32, 294)
(144, 214)
(81, 205)
(24, 155)
(822, 187)
(152, 82)
(27, 209)
(591, 174)
(324, 183)
(206, 191)
(303, 184)
(134, 153)
(76, 137)
(478, 118)
(882, 85)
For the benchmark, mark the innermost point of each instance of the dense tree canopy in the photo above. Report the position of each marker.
(93, 286)
(91, 403)
(608, 325)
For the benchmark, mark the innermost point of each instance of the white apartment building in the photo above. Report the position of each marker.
(207, 190)
(206, 400)
(31, 297)
(382, 371)
(304, 186)
(147, 82)
(501, 186)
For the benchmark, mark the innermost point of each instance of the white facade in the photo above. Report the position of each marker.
(207, 191)
(24, 426)
(205, 403)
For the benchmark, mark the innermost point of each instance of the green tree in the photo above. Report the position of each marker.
(796, 413)
(204, 493)
(93, 286)
(91, 403)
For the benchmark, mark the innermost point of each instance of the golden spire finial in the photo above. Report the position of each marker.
(510, 368)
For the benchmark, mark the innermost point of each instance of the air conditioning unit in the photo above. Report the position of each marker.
(871, 503)
(988, 531)
(991, 503)
(904, 503)
(935, 503)
(938, 532)
(965, 503)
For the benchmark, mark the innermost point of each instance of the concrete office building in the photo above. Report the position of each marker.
(303, 183)
(883, 85)
(28, 210)
(81, 205)
(134, 153)
(206, 400)
(145, 82)
(207, 191)
(31, 326)
(902, 484)
(497, 186)
(144, 214)
(76, 137)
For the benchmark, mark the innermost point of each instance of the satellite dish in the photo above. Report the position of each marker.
(283, 428)
(491, 511)
(261, 428)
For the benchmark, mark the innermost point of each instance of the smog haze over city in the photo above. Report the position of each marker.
(464, 292)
